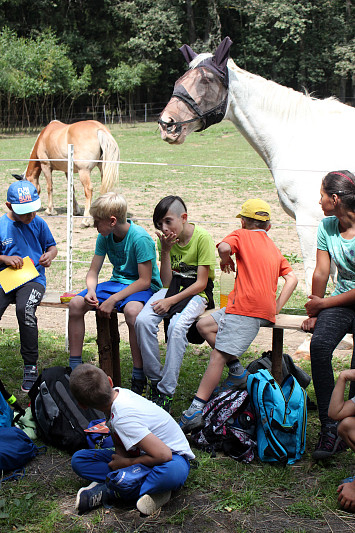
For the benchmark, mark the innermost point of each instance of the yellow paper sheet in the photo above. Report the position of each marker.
(11, 278)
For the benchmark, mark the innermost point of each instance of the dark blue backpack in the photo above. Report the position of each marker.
(281, 413)
(16, 449)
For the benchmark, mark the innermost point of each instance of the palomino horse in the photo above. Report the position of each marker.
(300, 138)
(92, 141)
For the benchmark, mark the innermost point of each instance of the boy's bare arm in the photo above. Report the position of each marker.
(288, 288)
(224, 251)
(92, 278)
(48, 256)
(13, 261)
(156, 453)
(166, 242)
(338, 407)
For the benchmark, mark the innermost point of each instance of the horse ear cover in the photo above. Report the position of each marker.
(221, 54)
(188, 53)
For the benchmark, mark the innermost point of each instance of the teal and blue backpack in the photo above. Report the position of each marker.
(281, 413)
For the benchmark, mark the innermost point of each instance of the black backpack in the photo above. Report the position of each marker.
(57, 414)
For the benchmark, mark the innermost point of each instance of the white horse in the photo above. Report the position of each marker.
(300, 138)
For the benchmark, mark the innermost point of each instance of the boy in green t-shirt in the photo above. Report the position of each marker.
(187, 273)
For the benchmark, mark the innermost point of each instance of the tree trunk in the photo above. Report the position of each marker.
(190, 22)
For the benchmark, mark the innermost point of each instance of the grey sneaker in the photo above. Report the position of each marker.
(30, 375)
(149, 503)
(328, 444)
(191, 423)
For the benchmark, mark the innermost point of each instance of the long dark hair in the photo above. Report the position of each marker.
(341, 183)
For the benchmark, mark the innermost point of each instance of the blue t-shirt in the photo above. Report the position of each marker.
(136, 247)
(33, 239)
(341, 250)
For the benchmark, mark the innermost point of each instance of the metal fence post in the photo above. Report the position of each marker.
(69, 269)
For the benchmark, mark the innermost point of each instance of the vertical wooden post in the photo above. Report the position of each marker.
(108, 344)
(277, 349)
(115, 350)
(104, 344)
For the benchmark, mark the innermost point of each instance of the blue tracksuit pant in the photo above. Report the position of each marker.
(131, 482)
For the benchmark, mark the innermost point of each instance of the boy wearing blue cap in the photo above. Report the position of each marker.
(23, 234)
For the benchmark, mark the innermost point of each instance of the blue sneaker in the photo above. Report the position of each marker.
(349, 479)
(88, 498)
(191, 423)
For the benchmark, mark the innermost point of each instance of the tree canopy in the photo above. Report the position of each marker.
(61, 55)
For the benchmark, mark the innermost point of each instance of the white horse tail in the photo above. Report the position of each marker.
(110, 152)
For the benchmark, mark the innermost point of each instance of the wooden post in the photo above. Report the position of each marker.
(108, 344)
(115, 350)
(277, 349)
(104, 344)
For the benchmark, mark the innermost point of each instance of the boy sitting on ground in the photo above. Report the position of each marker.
(187, 273)
(24, 234)
(135, 277)
(138, 425)
(339, 409)
(251, 304)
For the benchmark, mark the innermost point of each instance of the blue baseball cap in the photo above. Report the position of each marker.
(23, 197)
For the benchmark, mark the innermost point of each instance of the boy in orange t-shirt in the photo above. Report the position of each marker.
(251, 304)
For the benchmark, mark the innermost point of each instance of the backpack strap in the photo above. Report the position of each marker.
(16, 475)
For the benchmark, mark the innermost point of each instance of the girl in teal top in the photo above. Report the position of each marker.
(332, 317)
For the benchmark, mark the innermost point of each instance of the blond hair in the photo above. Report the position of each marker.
(90, 386)
(108, 205)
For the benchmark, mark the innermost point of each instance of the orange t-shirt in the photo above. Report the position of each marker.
(260, 264)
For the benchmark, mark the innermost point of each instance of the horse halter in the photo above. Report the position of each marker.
(208, 117)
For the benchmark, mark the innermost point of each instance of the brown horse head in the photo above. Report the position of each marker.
(200, 96)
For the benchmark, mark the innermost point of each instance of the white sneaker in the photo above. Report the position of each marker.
(149, 503)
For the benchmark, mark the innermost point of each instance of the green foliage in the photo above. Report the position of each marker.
(125, 78)
(38, 67)
(308, 44)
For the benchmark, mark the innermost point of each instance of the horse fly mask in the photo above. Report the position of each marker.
(213, 104)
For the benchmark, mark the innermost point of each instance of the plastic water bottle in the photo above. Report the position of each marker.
(226, 286)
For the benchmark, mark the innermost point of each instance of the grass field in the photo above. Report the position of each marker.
(221, 495)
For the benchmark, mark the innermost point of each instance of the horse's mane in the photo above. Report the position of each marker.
(293, 105)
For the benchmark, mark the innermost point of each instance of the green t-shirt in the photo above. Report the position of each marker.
(199, 251)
